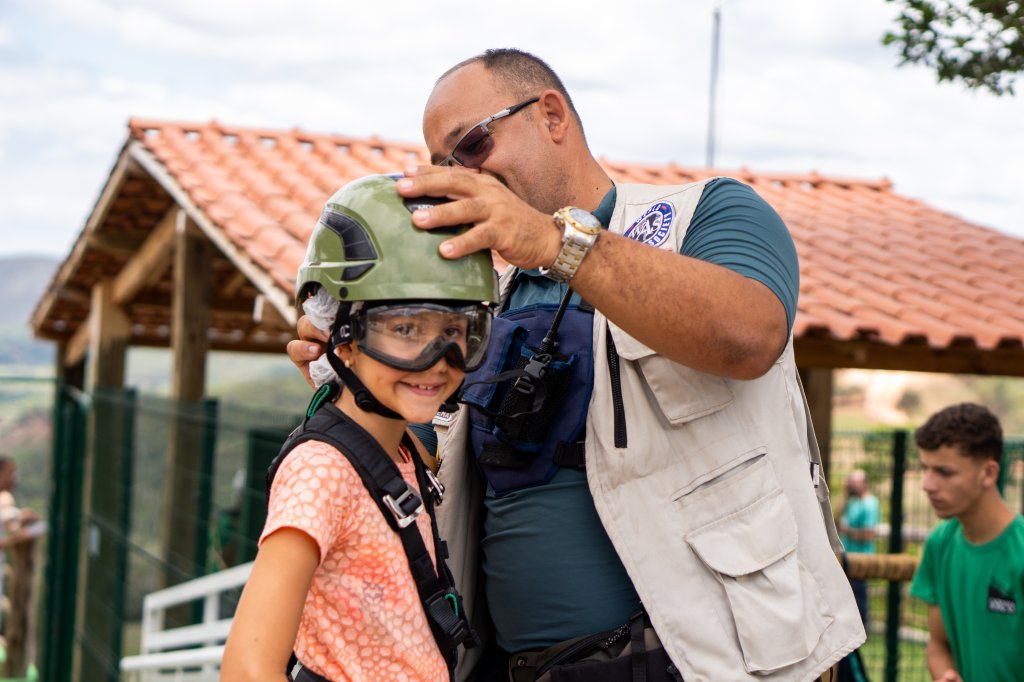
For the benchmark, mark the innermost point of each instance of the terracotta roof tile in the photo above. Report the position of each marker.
(874, 265)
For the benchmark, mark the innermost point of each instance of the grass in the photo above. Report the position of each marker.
(911, 666)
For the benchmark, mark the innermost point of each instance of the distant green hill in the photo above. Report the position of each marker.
(24, 280)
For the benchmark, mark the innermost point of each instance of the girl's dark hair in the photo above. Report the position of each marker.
(970, 427)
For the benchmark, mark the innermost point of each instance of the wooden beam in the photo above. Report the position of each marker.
(269, 344)
(830, 353)
(77, 345)
(73, 295)
(190, 311)
(120, 246)
(233, 284)
(818, 389)
(107, 333)
(105, 505)
(149, 262)
(190, 321)
(151, 301)
(70, 374)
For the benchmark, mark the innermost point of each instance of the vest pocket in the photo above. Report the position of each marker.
(773, 600)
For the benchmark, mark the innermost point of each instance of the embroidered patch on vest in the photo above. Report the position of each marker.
(653, 226)
(443, 419)
(1000, 601)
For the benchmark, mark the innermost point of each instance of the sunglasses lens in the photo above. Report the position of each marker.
(474, 148)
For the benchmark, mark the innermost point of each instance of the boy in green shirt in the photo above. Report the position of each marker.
(972, 571)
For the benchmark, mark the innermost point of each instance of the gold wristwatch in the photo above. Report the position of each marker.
(579, 232)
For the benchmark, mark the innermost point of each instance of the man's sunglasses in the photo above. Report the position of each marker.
(476, 144)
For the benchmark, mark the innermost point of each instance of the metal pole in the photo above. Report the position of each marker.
(715, 30)
(53, 631)
(894, 597)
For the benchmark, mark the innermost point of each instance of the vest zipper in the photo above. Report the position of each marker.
(619, 408)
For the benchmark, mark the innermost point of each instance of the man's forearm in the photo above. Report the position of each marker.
(698, 314)
(939, 658)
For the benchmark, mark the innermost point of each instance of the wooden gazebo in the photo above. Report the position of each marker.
(197, 235)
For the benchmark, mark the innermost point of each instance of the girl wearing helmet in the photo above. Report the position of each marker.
(348, 583)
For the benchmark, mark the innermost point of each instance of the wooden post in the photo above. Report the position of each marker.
(102, 553)
(818, 388)
(190, 320)
(18, 630)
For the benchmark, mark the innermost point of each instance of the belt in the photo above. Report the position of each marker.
(300, 673)
(633, 639)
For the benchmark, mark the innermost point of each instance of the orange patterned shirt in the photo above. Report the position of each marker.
(362, 620)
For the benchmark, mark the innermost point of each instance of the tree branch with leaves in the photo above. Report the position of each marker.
(977, 42)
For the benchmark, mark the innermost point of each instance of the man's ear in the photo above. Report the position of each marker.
(555, 113)
(990, 472)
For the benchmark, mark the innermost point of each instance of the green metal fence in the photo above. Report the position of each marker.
(237, 444)
(102, 625)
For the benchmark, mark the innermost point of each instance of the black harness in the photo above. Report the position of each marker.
(400, 504)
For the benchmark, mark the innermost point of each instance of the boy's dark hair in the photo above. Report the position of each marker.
(972, 428)
(524, 74)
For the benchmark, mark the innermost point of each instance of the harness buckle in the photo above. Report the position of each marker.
(443, 610)
(436, 487)
(406, 507)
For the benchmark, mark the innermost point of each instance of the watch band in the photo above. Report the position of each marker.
(577, 240)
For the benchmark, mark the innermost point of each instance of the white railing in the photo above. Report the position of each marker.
(191, 653)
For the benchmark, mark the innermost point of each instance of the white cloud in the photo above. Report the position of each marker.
(804, 85)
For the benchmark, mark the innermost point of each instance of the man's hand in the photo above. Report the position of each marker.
(950, 676)
(311, 344)
(500, 220)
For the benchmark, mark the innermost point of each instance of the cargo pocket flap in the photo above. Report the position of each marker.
(749, 540)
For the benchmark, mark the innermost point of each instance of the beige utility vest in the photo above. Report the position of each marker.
(711, 506)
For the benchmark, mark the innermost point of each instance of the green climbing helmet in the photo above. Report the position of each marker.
(401, 302)
(365, 248)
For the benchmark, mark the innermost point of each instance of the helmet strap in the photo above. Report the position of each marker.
(451, 403)
(362, 396)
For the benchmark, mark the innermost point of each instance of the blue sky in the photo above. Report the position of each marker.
(804, 85)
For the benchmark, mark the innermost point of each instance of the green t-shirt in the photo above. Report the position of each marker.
(980, 590)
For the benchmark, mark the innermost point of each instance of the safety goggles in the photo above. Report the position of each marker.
(476, 144)
(414, 337)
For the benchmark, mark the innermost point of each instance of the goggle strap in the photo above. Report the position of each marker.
(451, 403)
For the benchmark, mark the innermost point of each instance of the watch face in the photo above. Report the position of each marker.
(586, 220)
